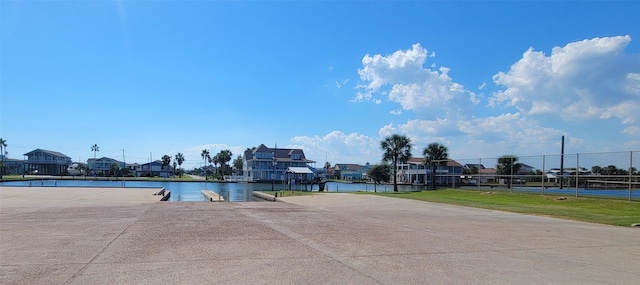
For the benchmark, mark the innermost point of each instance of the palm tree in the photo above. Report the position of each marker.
(179, 159)
(166, 160)
(205, 156)
(3, 146)
(214, 160)
(434, 153)
(237, 164)
(224, 156)
(397, 148)
(95, 148)
(507, 166)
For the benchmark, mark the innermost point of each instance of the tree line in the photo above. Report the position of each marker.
(397, 149)
(222, 159)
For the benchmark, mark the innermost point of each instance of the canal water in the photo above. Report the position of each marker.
(190, 191)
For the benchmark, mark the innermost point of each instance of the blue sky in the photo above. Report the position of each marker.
(332, 77)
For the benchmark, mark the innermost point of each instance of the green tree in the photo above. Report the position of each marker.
(237, 163)
(397, 148)
(507, 166)
(223, 157)
(596, 169)
(3, 146)
(114, 169)
(84, 169)
(166, 160)
(95, 148)
(125, 172)
(610, 170)
(434, 156)
(205, 156)
(213, 160)
(379, 173)
(179, 159)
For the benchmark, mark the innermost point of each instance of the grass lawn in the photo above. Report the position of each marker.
(594, 210)
(286, 193)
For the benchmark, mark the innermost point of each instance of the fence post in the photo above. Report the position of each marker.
(511, 178)
(577, 171)
(630, 172)
(479, 175)
(543, 175)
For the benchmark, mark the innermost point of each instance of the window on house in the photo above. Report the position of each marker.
(264, 155)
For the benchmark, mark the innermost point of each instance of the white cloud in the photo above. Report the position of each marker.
(633, 83)
(340, 84)
(416, 88)
(589, 79)
(482, 86)
(396, 112)
(632, 130)
(338, 147)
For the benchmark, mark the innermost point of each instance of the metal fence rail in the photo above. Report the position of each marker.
(611, 174)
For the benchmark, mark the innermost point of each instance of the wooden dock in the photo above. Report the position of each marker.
(211, 196)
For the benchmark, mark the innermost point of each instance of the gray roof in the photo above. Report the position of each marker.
(350, 166)
(281, 154)
(55, 153)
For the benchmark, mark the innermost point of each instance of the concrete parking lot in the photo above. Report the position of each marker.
(126, 236)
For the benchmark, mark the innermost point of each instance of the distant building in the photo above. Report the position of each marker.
(12, 166)
(350, 172)
(102, 166)
(525, 169)
(154, 168)
(414, 171)
(267, 164)
(46, 162)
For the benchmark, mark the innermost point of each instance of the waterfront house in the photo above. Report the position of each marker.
(102, 166)
(154, 168)
(351, 172)
(270, 164)
(46, 162)
(414, 171)
(12, 166)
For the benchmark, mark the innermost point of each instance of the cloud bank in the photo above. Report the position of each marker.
(584, 80)
(581, 82)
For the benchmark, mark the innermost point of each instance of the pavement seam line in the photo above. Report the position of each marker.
(81, 270)
(346, 261)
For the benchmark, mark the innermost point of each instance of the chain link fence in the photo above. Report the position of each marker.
(606, 174)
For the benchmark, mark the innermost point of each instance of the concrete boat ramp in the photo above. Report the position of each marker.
(211, 196)
(126, 236)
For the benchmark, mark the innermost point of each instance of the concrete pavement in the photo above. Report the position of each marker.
(125, 236)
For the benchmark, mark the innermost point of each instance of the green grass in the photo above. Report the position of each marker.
(12, 178)
(287, 193)
(594, 210)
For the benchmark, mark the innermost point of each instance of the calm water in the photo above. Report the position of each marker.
(239, 192)
(190, 191)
